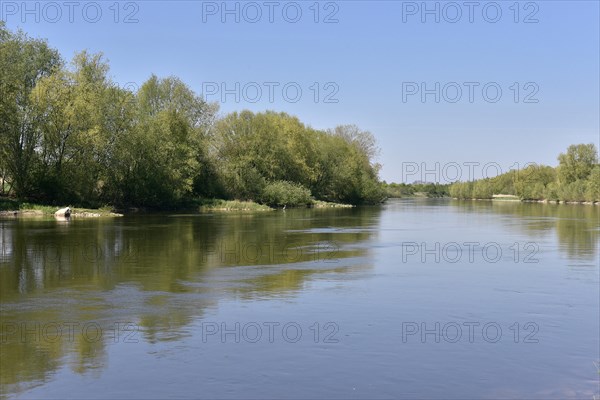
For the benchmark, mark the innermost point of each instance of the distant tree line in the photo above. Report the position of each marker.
(576, 179)
(70, 135)
(399, 190)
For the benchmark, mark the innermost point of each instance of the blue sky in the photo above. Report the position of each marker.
(370, 57)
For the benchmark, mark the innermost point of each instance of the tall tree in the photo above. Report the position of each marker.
(577, 163)
(23, 63)
(77, 118)
(162, 157)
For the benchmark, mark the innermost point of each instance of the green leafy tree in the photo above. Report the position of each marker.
(482, 189)
(70, 134)
(23, 63)
(593, 185)
(573, 191)
(577, 162)
(531, 182)
(345, 172)
(551, 192)
(160, 160)
(77, 120)
(461, 190)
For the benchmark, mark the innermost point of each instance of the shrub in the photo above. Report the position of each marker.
(208, 205)
(574, 191)
(282, 193)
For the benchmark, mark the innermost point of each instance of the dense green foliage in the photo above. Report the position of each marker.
(282, 193)
(398, 190)
(70, 135)
(576, 179)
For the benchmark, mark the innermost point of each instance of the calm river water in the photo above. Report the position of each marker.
(414, 299)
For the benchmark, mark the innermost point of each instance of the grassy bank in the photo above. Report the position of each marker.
(327, 204)
(231, 205)
(237, 205)
(14, 207)
(11, 207)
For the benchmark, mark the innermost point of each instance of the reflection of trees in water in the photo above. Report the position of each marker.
(158, 272)
(579, 235)
(23, 363)
(577, 226)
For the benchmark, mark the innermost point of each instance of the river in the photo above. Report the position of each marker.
(418, 298)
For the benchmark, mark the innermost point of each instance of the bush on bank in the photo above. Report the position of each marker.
(283, 193)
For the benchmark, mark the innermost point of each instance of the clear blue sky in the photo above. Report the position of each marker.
(370, 55)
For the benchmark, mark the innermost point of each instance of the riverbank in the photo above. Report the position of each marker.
(236, 205)
(76, 213)
(507, 199)
(418, 195)
(230, 205)
(13, 208)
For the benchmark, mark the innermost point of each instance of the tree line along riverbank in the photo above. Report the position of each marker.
(70, 135)
(575, 180)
